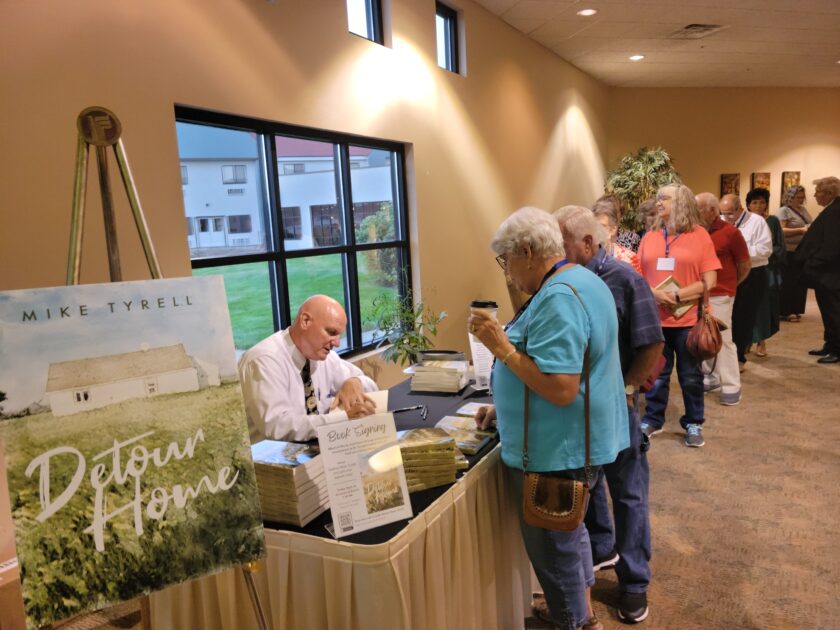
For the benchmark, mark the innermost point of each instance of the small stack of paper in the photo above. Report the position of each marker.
(290, 480)
(429, 458)
(466, 433)
(439, 376)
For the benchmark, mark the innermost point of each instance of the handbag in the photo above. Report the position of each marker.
(551, 501)
(704, 339)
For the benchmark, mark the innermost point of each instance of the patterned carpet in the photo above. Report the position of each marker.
(745, 529)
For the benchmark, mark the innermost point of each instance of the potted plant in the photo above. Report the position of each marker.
(404, 325)
(637, 178)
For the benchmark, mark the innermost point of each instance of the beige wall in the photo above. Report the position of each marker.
(746, 130)
(523, 127)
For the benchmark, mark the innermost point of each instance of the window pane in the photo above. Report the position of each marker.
(311, 185)
(440, 32)
(358, 21)
(211, 155)
(316, 275)
(248, 292)
(378, 277)
(374, 199)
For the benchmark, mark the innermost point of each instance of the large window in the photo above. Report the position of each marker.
(319, 213)
(364, 18)
(446, 30)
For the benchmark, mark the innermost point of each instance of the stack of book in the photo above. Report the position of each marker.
(468, 437)
(439, 376)
(290, 480)
(430, 458)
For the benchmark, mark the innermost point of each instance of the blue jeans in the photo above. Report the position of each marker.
(689, 376)
(627, 478)
(562, 561)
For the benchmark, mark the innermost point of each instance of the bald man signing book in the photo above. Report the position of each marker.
(293, 382)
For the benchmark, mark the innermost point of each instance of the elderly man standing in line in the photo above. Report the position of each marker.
(731, 249)
(760, 245)
(293, 382)
(819, 255)
(640, 342)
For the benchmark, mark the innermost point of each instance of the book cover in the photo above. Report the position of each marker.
(670, 284)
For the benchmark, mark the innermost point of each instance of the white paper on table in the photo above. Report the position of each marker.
(364, 472)
(380, 399)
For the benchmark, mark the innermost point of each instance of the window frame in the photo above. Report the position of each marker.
(373, 20)
(276, 255)
(451, 52)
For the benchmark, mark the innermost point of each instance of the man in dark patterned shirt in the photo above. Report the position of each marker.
(640, 343)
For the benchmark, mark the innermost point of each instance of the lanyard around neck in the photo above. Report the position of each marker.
(741, 220)
(545, 278)
(667, 244)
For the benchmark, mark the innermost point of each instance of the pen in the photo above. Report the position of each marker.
(424, 411)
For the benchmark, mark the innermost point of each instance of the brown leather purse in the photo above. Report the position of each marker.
(550, 501)
(704, 339)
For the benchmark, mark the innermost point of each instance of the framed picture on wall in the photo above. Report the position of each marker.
(730, 184)
(760, 180)
(789, 178)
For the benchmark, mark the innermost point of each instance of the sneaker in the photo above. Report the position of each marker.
(730, 399)
(710, 387)
(694, 435)
(632, 607)
(605, 562)
(649, 430)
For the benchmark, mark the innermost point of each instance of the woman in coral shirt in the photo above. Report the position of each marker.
(678, 247)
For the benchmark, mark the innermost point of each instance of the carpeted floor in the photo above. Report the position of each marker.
(745, 529)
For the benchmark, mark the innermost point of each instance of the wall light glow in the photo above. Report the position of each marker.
(637, 57)
(587, 12)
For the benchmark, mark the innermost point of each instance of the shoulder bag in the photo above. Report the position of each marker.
(551, 501)
(704, 339)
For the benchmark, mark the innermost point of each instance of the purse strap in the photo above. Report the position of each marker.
(586, 366)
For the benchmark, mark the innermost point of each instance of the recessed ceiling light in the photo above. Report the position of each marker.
(587, 12)
(637, 57)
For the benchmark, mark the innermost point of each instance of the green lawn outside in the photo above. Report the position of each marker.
(249, 299)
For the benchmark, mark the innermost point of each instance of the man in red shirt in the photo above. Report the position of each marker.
(734, 256)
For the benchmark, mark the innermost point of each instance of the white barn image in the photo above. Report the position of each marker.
(91, 383)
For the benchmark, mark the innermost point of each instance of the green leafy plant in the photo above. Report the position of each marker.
(637, 178)
(406, 326)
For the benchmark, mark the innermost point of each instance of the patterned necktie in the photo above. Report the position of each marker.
(310, 401)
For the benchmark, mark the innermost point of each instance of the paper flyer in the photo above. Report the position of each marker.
(364, 472)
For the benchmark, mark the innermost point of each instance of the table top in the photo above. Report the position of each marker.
(438, 405)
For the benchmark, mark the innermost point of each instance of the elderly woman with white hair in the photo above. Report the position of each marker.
(540, 354)
(680, 249)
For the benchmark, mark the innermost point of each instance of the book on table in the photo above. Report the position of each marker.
(290, 480)
(430, 457)
(464, 430)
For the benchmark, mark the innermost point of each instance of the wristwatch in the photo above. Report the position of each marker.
(629, 389)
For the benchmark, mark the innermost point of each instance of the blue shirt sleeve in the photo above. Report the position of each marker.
(645, 324)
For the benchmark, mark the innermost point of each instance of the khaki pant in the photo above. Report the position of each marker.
(726, 372)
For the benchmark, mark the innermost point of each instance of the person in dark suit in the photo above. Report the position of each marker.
(819, 256)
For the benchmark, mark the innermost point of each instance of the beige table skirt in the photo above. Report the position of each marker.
(459, 565)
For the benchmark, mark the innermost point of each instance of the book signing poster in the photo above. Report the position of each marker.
(125, 440)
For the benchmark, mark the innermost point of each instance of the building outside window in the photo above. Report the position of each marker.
(184, 176)
(446, 29)
(364, 18)
(234, 174)
(320, 227)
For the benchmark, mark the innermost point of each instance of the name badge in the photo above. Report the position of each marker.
(665, 264)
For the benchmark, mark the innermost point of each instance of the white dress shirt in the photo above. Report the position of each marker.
(273, 389)
(756, 233)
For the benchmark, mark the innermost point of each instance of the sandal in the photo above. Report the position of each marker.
(761, 349)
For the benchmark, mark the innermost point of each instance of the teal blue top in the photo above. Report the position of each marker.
(558, 330)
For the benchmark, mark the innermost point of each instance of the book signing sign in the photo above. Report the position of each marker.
(125, 440)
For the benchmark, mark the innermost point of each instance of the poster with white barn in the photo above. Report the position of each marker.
(125, 440)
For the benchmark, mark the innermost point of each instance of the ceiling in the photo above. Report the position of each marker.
(764, 43)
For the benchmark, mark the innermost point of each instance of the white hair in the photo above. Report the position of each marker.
(829, 184)
(580, 222)
(530, 227)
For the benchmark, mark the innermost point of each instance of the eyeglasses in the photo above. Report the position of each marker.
(502, 262)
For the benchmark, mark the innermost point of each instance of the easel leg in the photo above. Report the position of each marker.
(248, 574)
(108, 215)
(77, 222)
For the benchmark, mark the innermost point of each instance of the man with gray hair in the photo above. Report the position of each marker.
(731, 249)
(819, 255)
(640, 342)
(748, 296)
